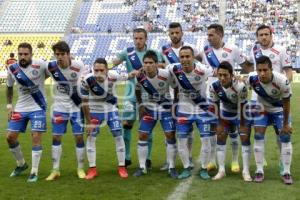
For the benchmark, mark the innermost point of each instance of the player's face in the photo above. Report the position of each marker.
(264, 73)
(264, 37)
(63, 58)
(224, 77)
(24, 56)
(150, 66)
(175, 35)
(186, 58)
(213, 37)
(100, 71)
(139, 39)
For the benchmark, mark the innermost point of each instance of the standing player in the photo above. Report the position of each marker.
(213, 54)
(230, 97)
(171, 56)
(157, 106)
(66, 73)
(192, 106)
(99, 104)
(281, 61)
(133, 57)
(273, 95)
(31, 105)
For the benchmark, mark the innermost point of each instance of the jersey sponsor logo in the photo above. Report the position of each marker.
(275, 51)
(133, 58)
(227, 49)
(170, 54)
(211, 57)
(75, 69)
(35, 66)
(199, 72)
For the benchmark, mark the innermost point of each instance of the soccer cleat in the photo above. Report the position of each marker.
(80, 173)
(18, 170)
(259, 177)
(173, 173)
(203, 173)
(187, 172)
(219, 176)
(127, 163)
(211, 166)
(164, 167)
(148, 164)
(281, 169)
(247, 177)
(54, 175)
(92, 173)
(32, 178)
(235, 167)
(123, 172)
(140, 172)
(287, 179)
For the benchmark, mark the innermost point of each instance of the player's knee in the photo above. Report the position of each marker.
(170, 135)
(143, 136)
(221, 141)
(259, 136)
(284, 138)
(11, 139)
(245, 140)
(56, 140)
(79, 141)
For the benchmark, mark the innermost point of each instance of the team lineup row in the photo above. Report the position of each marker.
(206, 93)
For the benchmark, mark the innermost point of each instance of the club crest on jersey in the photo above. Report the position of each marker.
(161, 84)
(274, 91)
(35, 72)
(224, 55)
(233, 96)
(110, 85)
(272, 56)
(73, 75)
(197, 78)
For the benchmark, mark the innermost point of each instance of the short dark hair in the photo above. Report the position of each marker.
(187, 47)
(264, 60)
(263, 27)
(175, 25)
(11, 55)
(25, 45)
(218, 27)
(101, 61)
(152, 55)
(227, 66)
(140, 30)
(61, 46)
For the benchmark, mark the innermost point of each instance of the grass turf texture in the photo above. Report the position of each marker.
(156, 185)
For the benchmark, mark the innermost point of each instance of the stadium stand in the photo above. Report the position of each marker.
(41, 44)
(36, 16)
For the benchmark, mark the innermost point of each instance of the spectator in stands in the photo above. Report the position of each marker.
(109, 29)
(11, 60)
(40, 45)
(7, 42)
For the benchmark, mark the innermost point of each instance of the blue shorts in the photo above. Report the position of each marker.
(184, 124)
(149, 120)
(60, 122)
(112, 119)
(18, 121)
(265, 119)
(129, 111)
(232, 121)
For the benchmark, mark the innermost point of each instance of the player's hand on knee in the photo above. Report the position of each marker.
(286, 129)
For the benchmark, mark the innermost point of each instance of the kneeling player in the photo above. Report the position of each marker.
(100, 104)
(230, 96)
(273, 94)
(155, 83)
